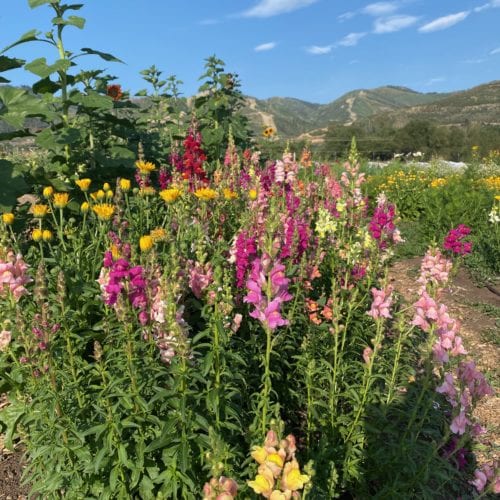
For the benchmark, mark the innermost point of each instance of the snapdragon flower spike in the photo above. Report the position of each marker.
(382, 226)
(118, 278)
(381, 304)
(243, 252)
(455, 240)
(267, 290)
(200, 277)
(193, 159)
(13, 276)
(435, 268)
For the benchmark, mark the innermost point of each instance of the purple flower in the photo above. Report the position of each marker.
(455, 240)
(459, 423)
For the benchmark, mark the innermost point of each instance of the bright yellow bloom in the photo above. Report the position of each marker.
(262, 485)
(440, 181)
(158, 234)
(40, 211)
(115, 252)
(109, 194)
(170, 195)
(106, 186)
(8, 218)
(497, 197)
(268, 132)
(83, 184)
(205, 194)
(147, 191)
(46, 235)
(229, 195)
(125, 185)
(259, 454)
(252, 194)
(61, 200)
(37, 234)
(84, 207)
(98, 195)
(144, 167)
(48, 192)
(292, 478)
(275, 458)
(146, 243)
(104, 211)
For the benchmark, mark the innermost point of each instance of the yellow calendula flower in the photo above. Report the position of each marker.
(104, 211)
(40, 211)
(252, 194)
(8, 218)
(109, 194)
(60, 200)
(125, 185)
(36, 234)
(170, 195)
(205, 194)
(497, 197)
(98, 195)
(146, 243)
(84, 207)
(46, 235)
(106, 186)
(158, 234)
(292, 478)
(47, 192)
(229, 195)
(145, 167)
(83, 184)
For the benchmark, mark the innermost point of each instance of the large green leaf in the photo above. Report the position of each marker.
(40, 67)
(29, 36)
(102, 55)
(93, 100)
(77, 21)
(7, 63)
(46, 86)
(18, 104)
(11, 187)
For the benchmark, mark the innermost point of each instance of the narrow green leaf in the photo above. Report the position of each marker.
(8, 63)
(102, 55)
(38, 3)
(29, 36)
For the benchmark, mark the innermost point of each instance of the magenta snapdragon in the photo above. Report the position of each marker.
(382, 227)
(243, 252)
(455, 240)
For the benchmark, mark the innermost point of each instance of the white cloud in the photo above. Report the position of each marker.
(320, 50)
(433, 81)
(268, 8)
(351, 39)
(495, 51)
(380, 8)
(490, 5)
(444, 22)
(393, 23)
(346, 16)
(265, 46)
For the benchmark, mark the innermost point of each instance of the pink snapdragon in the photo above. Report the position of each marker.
(381, 304)
(13, 276)
(455, 240)
(267, 289)
(200, 277)
(435, 268)
(5, 338)
(382, 227)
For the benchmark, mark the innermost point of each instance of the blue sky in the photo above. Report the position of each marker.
(314, 50)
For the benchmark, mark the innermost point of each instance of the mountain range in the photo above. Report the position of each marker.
(398, 105)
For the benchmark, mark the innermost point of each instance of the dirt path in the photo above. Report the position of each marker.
(477, 309)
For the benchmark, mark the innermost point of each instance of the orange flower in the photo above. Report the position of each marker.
(115, 92)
